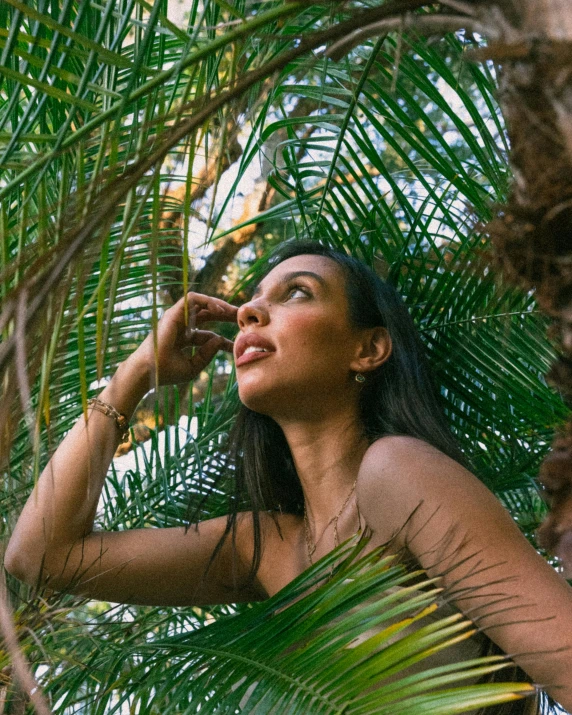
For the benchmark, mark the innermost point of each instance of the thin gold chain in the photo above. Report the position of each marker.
(307, 534)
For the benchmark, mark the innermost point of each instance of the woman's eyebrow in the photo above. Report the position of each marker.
(294, 274)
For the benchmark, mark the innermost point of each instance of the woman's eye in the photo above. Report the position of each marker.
(297, 289)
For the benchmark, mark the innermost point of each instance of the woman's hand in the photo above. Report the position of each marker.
(178, 339)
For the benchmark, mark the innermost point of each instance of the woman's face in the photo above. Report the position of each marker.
(299, 312)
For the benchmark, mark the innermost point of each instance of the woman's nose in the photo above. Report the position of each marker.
(252, 312)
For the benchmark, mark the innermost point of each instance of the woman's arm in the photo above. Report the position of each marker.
(457, 529)
(54, 542)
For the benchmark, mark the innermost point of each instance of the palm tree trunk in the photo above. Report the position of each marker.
(532, 234)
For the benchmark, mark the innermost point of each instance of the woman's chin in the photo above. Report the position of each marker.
(256, 402)
(259, 398)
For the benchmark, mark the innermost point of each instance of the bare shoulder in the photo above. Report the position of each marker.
(400, 475)
(458, 531)
(402, 452)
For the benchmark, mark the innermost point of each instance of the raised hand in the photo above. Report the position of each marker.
(178, 338)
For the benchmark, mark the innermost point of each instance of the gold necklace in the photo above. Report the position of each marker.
(335, 518)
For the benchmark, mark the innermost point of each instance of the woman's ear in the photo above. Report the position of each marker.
(373, 350)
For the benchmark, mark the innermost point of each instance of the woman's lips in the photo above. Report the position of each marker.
(249, 357)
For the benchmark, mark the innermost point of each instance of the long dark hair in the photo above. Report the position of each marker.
(398, 398)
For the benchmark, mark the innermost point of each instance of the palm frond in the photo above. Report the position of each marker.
(309, 649)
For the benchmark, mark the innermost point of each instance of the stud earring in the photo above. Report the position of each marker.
(359, 377)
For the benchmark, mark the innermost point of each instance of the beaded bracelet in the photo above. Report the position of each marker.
(107, 409)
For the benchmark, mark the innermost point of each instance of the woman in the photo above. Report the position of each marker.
(339, 430)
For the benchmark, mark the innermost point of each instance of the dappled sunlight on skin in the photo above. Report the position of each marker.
(403, 606)
(445, 557)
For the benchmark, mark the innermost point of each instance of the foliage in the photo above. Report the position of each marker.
(395, 153)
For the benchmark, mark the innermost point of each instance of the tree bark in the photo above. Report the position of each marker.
(550, 19)
(532, 234)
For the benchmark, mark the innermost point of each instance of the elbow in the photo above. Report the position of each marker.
(19, 564)
(37, 567)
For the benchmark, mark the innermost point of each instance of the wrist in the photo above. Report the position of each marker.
(127, 387)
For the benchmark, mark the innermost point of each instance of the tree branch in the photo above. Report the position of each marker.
(208, 278)
(424, 24)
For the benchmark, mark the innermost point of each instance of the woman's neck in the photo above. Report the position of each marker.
(327, 455)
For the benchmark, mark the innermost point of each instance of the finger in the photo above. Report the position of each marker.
(227, 346)
(217, 307)
(218, 312)
(209, 303)
(205, 353)
(201, 337)
(213, 301)
(204, 308)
